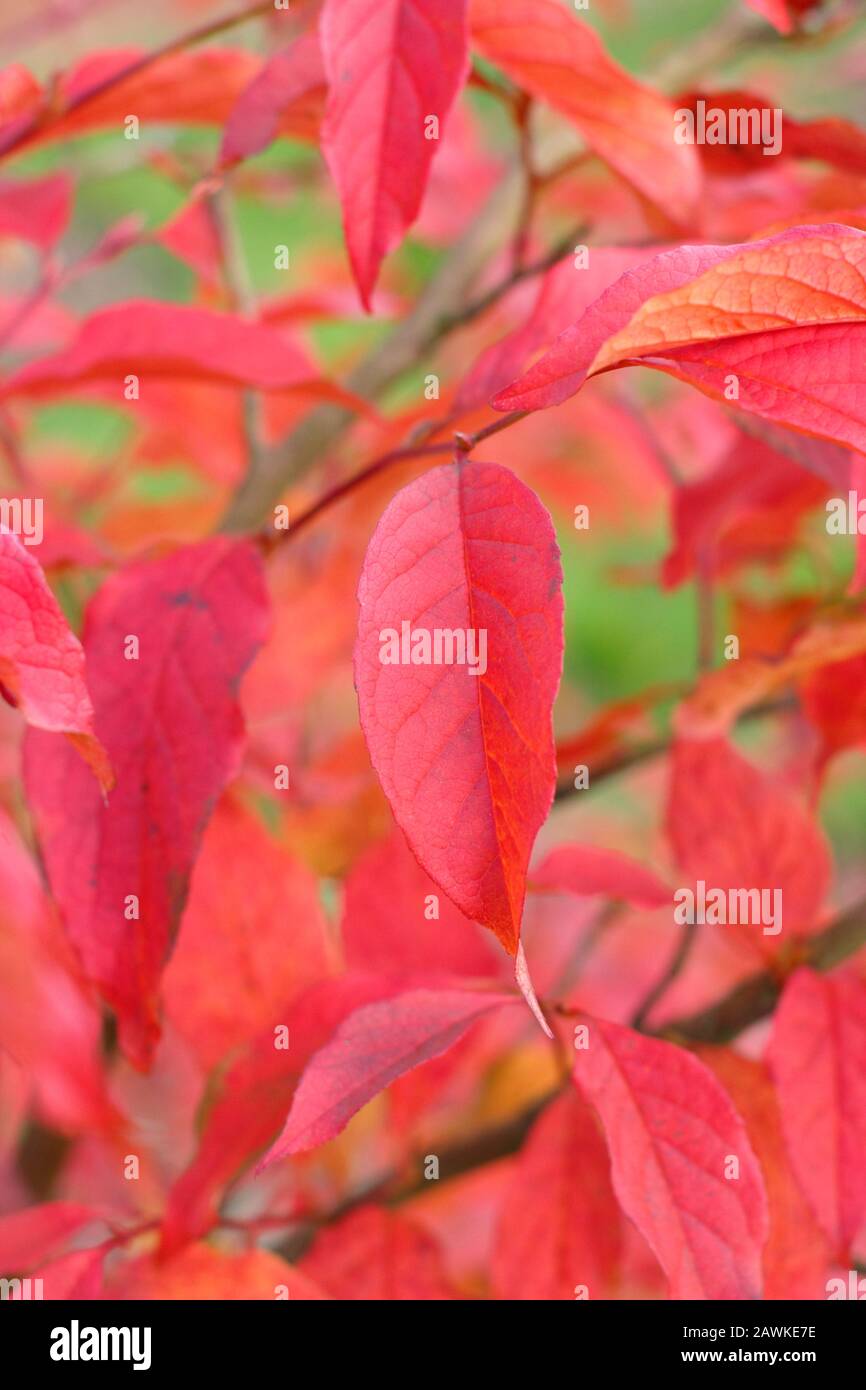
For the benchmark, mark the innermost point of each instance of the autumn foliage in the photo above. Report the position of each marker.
(432, 651)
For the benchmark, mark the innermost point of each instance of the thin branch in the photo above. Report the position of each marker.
(399, 353)
(463, 1156)
(476, 307)
(44, 117)
(755, 998)
(744, 1005)
(461, 443)
(504, 422)
(706, 616)
(239, 291)
(520, 240)
(666, 979)
(643, 752)
(336, 494)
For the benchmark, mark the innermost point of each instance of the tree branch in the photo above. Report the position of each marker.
(644, 751)
(755, 998)
(745, 1004)
(672, 970)
(45, 116)
(419, 333)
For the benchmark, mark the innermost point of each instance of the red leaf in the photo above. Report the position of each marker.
(28, 1238)
(19, 92)
(722, 695)
(166, 341)
(560, 1225)
(385, 924)
(736, 829)
(172, 726)
(293, 80)
(370, 1049)
(805, 276)
(755, 293)
(41, 659)
(391, 64)
(466, 760)
(555, 57)
(75, 1276)
(194, 86)
(561, 372)
(202, 1272)
(191, 235)
(374, 1254)
(835, 141)
(796, 1255)
(36, 210)
(834, 700)
(672, 1132)
(253, 1099)
(783, 14)
(252, 938)
(752, 481)
(811, 379)
(817, 1056)
(48, 1020)
(564, 294)
(591, 871)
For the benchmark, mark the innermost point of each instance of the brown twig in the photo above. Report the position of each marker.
(477, 307)
(755, 998)
(398, 354)
(461, 443)
(242, 300)
(741, 1007)
(422, 333)
(643, 752)
(342, 490)
(706, 616)
(666, 979)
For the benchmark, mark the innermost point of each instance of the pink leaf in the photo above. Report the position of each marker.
(560, 1225)
(375, 1254)
(167, 712)
(556, 57)
(252, 1099)
(292, 80)
(466, 759)
(735, 828)
(817, 1057)
(682, 1165)
(565, 293)
(811, 379)
(391, 64)
(41, 659)
(28, 1238)
(252, 939)
(36, 210)
(385, 925)
(159, 341)
(591, 871)
(665, 308)
(375, 1045)
(74, 1276)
